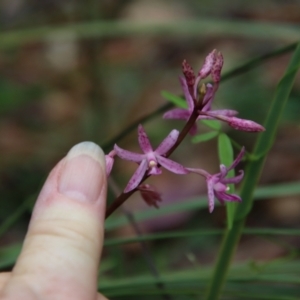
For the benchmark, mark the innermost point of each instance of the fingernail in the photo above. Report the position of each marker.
(83, 173)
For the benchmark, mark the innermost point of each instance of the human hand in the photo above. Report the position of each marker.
(62, 248)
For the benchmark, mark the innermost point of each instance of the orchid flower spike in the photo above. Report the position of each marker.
(150, 161)
(217, 183)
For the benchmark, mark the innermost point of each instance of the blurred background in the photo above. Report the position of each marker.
(86, 70)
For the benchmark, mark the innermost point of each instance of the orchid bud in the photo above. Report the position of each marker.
(188, 73)
(109, 160)
(150, 195)
(244, 125)
(208, 64)
(217, 67)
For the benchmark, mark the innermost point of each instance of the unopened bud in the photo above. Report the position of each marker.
(244, 125)
(217, 67)
(109, 160)
(150, 195)
(188, 73)
(208, 64)
(202, 89)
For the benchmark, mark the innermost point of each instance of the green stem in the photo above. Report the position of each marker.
(263, 145)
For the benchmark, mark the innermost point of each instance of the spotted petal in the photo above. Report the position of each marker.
(128, 155)
(171, 165)
(168, 142)
(210, 195)
(208, 64)
(245, 125)
(186, 93)
(177, 113)
(137, 176)
(223, 112)
(144, 140)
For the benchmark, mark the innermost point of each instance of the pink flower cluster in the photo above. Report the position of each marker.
(199, 101)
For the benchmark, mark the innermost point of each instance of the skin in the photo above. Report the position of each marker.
(62, 249)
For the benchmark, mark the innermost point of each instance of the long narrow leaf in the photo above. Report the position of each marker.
(176, 100)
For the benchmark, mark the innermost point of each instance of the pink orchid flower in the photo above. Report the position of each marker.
(150, 161)
(217, 183)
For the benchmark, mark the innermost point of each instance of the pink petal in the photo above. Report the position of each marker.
(177, 113)
(228, 197)
(217, 67)
(210, 195)
(128, 155)
(188, 73)
(109, 161)
(137, 176)
(208, 98)
(224, 112)
(144, 140)
(171, 165)
(168, 142)
(223, 170)
(154, 171)
(245, 125)
(186, 93)
(208, 64)
(238, 159)
(235, 179)
(205, 117)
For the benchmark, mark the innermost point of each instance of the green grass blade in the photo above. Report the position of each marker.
(195, 203)
(197, 27)
(253, 171)
(176, 100)
(8, 255)
(14, 217)
(204, 137)
(212, 124)
(199, 232)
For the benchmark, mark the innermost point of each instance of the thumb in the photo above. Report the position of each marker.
(61, 252)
